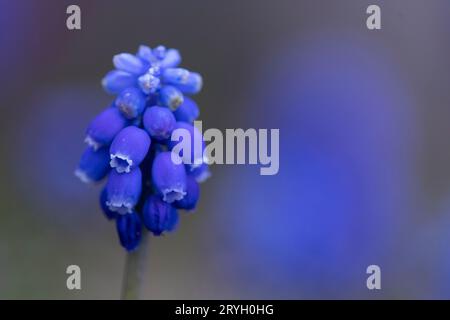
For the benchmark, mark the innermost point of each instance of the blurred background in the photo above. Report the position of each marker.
(364, 148)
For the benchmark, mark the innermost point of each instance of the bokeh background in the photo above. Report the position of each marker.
(364, 148)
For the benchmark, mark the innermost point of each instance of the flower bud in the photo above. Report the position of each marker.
(159, 122)
(129, 228)
(129, 63)
(192, 85)
(188, 111)
(171, 59)
(158, 215)
(116, 80)
(131, 102)
(171, 97)
(145, 53)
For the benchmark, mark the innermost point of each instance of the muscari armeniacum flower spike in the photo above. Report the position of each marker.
(131, 102)
(93, 165)
(133, 135)
(105, 127)
(159, 122)
(129, 228)
(116, 80)
(129, 148)
(188, 111)
(171, 97)
(123, 190)
(169, 178)
(158, 215)
(189, 201)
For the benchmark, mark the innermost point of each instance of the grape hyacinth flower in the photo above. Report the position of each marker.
(94, 165)
(129, 144)
(158, 215)
(159, 122)
(129, 149)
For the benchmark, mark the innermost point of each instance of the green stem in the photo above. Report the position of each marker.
(135, 270)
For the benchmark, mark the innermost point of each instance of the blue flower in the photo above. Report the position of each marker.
(169, 178)
(171, 97)
(159, 122)
(188, 111)
(129, 63)
(129, 143)
(94, 165)
(189, 201)
(123, 190)
(187, 82)
(158, 215)
(115, 81)
(129, 228)
(131, 102)
(105, 127)
(129, 149)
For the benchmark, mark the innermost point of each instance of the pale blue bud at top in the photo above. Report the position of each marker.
(105, 127)
(128, 63)
(169, 178)
(175, 76)
(192, 85)
(172, 59)
(188, 111)
(94, 165)
(129, 149)
(145, 53)
(171, 97)
(123, 190)
(159, 52)
(189, 201)
(108, 213)
(115, 81)
(149, 83)
(159, 122)
(131, 102)
(129, 228)
(159, 216)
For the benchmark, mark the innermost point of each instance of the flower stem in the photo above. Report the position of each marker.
(135, 270)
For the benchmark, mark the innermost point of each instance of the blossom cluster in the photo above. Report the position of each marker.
(129, 144)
